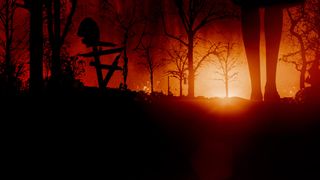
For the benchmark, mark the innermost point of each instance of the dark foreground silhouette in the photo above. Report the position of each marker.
(132, 136)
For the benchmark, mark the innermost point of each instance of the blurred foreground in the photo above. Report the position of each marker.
(138, 137)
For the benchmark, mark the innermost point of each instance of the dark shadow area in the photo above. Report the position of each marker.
(138, 137)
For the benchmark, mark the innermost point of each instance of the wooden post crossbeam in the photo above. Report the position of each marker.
(101, 53)
(103, 66)
(89, 31)
(103, 82)
(112, 70)
(98, 67)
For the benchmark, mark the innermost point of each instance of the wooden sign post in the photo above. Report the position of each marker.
(89, 31)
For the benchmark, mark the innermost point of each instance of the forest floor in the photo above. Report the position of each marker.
(160, 138)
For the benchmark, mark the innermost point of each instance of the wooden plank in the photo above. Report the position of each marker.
(106, 44)
(98, 70)
(100, 43)
(104, 66)
(111, 71)
(101, 53)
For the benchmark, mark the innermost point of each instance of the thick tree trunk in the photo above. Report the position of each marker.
(303, 77)
(304, 63)
(227, 87)
(125, 58)
(190, 65)
(36, 48)
(151, 82)
(181, 88)
(168, 85)
(8, 29)
(8, 43)
(56, 62)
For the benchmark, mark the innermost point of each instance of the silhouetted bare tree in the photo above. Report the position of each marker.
(227, 62)
(13, 45)
(304, 36)
(56, 11)
(178, 57)
(35, 9)
(147, 50)
(194, 16)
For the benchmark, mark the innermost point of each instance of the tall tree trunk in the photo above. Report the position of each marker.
(57, 38)
(168, 85)
(303, 77)
(125, 58)
(304, 63)
(8, 63)
(36, 48)
(227, 86)
(302, 49)
(56, 62)
(181, 90)
(151, 82)
(190, 65)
